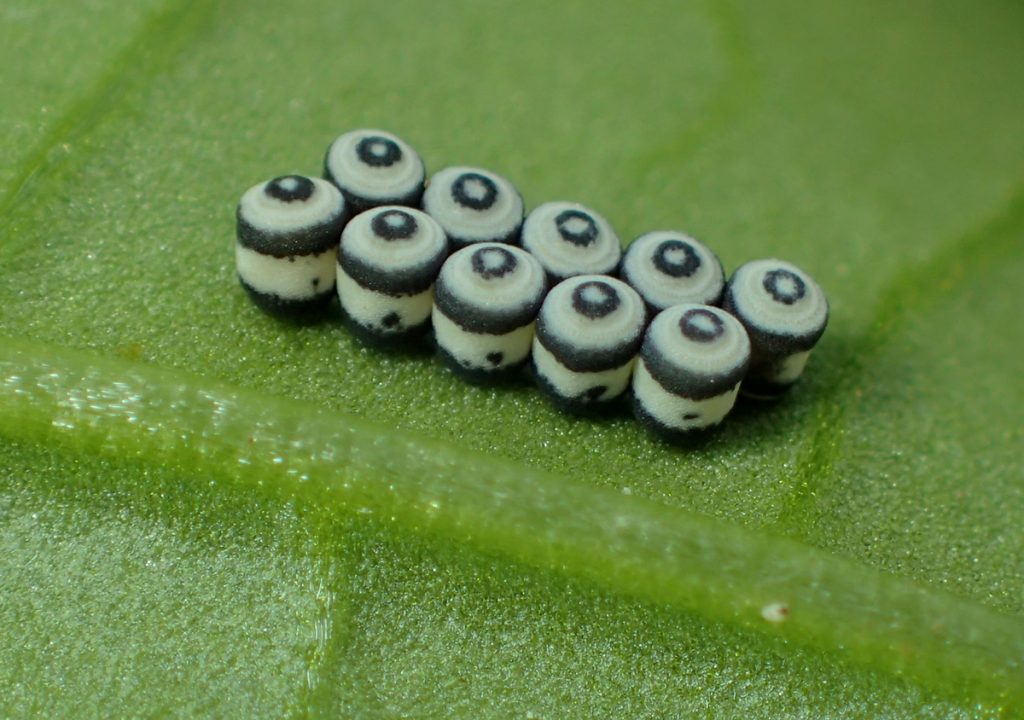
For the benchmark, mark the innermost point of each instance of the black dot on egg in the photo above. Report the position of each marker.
(595, 299)
(676, 258)
(595, 392)
(377, 151)
(784, 286)
(576, 227)
(701, 325)
(394, 225)
(290, 188)
(474, 191)
(493, 262)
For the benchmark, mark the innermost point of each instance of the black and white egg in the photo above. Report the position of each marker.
(485, 305)
(670, 268)
(588, 335)
(569, 239)
(387, 264)
(785, 313)
(691, 363)
(374, 168)
(474, 206)
(288, 230)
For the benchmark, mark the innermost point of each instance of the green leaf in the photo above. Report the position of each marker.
(205, 511)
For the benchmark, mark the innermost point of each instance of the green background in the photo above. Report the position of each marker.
(205, 511)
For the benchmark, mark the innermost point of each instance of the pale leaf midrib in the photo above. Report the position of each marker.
(633, 546)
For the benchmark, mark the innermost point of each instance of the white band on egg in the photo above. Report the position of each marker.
(293, 278)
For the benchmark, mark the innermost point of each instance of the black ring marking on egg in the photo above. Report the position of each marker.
(582, 238)
(586, 359)
(663, 259)
(595, 299)
(463, 191)
(305, 309)
(289, 188)
(687, 383)
(701, 325)
(784, 286)
(377, 151)
(356, 204)
(482, 375)
(389, 281)
(767, 344)
(394, 225)
(492, 262)
(475, 319)
(509, 238)
(756, 385)
(386, 336)
(582, 405)
(310, 240)
(690, 437)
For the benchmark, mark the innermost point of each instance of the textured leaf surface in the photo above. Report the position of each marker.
(204, 510)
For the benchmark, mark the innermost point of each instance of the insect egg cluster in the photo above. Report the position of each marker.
(456, 259)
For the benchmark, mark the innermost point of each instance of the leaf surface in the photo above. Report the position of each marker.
(207, 511)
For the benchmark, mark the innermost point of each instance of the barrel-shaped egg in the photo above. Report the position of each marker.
(474, 206)
(785, 313)
(374, 168)
(569, 239)
(588, 335)
(387, 264)
(671, 268)
(485, 305)
(691, 363)
(288, 230)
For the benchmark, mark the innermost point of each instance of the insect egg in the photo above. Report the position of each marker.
(691, 363)
(588, 334)
(374, 168)
(485, 304)
(474, 205)
(287, 239)
(785, 313)
(387, 263)
(669, 268)
(569, 239)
